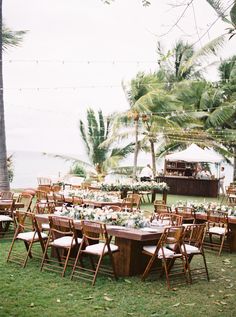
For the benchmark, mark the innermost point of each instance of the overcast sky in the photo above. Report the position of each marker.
(75, 55)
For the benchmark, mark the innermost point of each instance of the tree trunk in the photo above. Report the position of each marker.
(153, 159)
(234, 163)
(135, 150)
(4, 181)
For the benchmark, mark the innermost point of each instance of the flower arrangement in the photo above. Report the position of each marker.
(137, 186)
(106, 215)
(203, 207)
(92, 195)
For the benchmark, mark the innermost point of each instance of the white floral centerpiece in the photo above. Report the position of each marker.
(135, 186)
(106, 215)
(204, 207)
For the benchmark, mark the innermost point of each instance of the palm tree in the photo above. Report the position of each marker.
(139, 87)
(4, 180)
(7, 38)
(94, 135)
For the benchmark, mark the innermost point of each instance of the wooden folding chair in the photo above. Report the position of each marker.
(132, 202)
(5, 222)
(62, 239)
(27, 231)
(160, 207)
(192, 246)
(25, 199)
(218, 233)
(188, 214)
(162, 253)
(6, 195)
(170, 219)
(44, 203)
(95, 243)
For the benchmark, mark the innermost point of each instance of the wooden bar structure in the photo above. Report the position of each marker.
(189, 186)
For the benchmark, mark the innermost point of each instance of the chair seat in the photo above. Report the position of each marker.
(190, 249)
(5, 218)
(64, 242)
(98, 248)
(217, 230)
(28, 236)
(45, 226)
(152, 248)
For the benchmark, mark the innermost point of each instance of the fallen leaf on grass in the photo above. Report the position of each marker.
(130, 314)
(108, 298)
(228, 295)
(227, 261)
(223, 270)
(176, 305)
(229, 286)
(88, 298)
(190, 304)
(127, 281)
(223, 303)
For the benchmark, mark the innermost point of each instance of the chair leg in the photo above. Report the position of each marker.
(187, 265)
(77, 259)
(45, 255)
(29, 254)
(166, 272)
(113, 265)
(221, 245)
(28, 249)
(97, 269)
(148, 268)
(66, 262)
(11, 247)
(205, 264)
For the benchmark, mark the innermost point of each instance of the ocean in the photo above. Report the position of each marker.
(30, 165)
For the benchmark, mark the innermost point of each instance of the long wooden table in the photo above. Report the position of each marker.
(129, 260)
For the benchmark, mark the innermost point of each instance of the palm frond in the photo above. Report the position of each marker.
(209, 49)
(221, 115)
(11, 38)
(84, 136)
(219, 8)
(233, 14)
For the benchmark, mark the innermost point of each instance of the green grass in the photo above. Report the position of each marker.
(29, 292)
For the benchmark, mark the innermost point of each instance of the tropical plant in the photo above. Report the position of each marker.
(7, 38)
(78, 170)
(94, 134)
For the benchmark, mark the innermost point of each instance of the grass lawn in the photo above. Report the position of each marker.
(29, 292)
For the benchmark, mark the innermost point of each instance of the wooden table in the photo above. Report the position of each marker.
(201, 217)
(95, 203)
(129, 260)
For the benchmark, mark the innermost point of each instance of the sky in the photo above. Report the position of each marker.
(75, 55)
